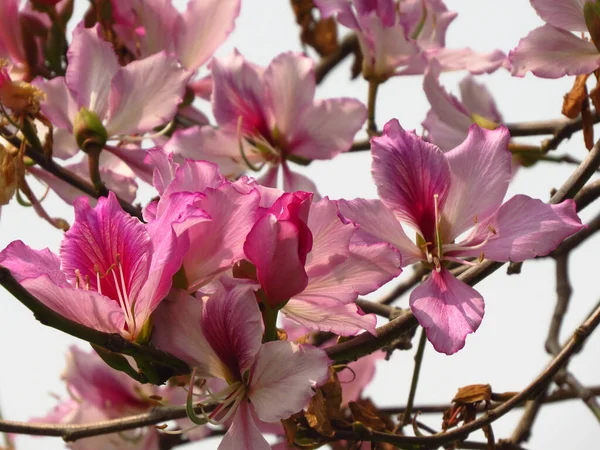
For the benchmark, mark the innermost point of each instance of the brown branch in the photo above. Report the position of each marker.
(577, 239)
(419, 271)
(348, 45)
(588, 194)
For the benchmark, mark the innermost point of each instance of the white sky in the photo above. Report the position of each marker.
(507, 350)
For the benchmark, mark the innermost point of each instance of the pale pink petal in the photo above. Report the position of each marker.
(448, 309)
(92, 65)
(408, 173)
(219, 241)
(550, 52)
(233, 326)
(330, 315)
(442, 134)
(374, 219)
(290, 89)
(192, 114)
(66, 191)
(218, 146)
(131, 109)
(25, 263)
(202, 28)
(481, 171)
(243, 432)
(277, 394)
(10, 30)
(64, 144)
(269, 180)
(294, 182)
(163, 167)
(331, 238)
(465, 59)
(202, 87)
(58, 105)
(565, 14)
(194, 176)
(357, 376)
(238, 91)
(100, 241)
(158, 19)
(88, 308)
(524, 228)
(478, 100)
(445, 107)
(177, 330)
(319, 134)
(134, 157)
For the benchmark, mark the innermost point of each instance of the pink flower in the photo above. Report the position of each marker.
(443, 196)
(117, 96)
(449, 119)
(318, 284)
(269, 117)
(153, 26)
(552, 50)
(399, 39)
(214, 245)
(113, 270)
(221, 337)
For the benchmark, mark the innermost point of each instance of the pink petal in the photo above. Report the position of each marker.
(465, 59)
(10, 30)
(319, 134)
(269, 180)
(480, 170)
(294, 182)
(283, 377)
(357, 377)
(158, 19)
(177, 330)
(243, 432)
(232, 324)
(550, 52)
(194, 176)
(442, 134)
(565, 14)
(319, 312)
(238, 91)
(100, 241)
(374, 219)
(477, 99)
(202, 28)
(59, 104)
(408, 173)
(163, 167)
(290, 87)
(206, 143)
(202, 87)
(64, 145)
(134, 157)
(131, 109)
(219, 241)
(92, 65)
(25, 263)
(525, 228)
(448, 309)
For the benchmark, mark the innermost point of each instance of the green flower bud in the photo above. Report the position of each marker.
(89, 131)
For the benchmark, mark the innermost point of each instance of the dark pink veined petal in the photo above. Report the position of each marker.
(565, 14)
(283, 377)
(238, 91)
(478, 100)
(408, 173)
(220, 241)
(243, 432)
(290, 89)
(233, 326)
(550, 52)
(319, 134)
(177, 330)
(131, 110)
(374, 219)
(480, 171)
(25, 263)
(524, 228)
(323, 313)
(202, 28)
(92, 65)
(448, 309)
(104, 241)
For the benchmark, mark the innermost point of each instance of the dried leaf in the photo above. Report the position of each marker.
(473, 393)
(318, 34)
(573, 101)
(325, 406)
(595, 97)
(365, 411)
(588, 125)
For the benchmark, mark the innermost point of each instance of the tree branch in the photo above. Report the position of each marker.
(348, 45)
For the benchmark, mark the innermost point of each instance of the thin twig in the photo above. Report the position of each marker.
(348, 45)
(406, 418)
(588, 194)
(419, 271)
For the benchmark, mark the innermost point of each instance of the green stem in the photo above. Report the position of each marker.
(371, 125)
(415, 378)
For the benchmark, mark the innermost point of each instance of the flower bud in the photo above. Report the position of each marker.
(591, 12)
(88, 130)
(8, 175)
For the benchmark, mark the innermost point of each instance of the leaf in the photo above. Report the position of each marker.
(473, 393)
(573, 101)
(318, 34)
(365, 411)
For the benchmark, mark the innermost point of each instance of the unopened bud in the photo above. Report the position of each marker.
(20, 97)
(8, 175)
(88, 130)
(591, 12)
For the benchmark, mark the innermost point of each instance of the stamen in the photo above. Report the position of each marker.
(98, 285)
(438, 222)
(241, 146)
(77, 278)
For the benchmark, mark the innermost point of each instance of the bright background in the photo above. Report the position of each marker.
(508, 349)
